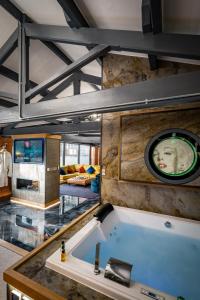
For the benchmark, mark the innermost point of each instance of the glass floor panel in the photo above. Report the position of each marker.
(28, 227)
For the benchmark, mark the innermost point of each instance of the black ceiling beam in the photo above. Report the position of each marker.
(8, 100)
(90, 134)
(156, 15)
(6, 103)
(166, 44)
(151, 16)
(12, 75)
(60, 128)
(146, 16)
(63, 57)
(90, 78)
(8, 96)
(78, 139)
(74, 17)
(8, 73)
(12, 10)
(9, 115)
(152, 22)
(9, 46)
(77, 85)
(18, 15)
(58, 89)
(58, 52)
(77, 65)
(27, 46)
(171, 90)
(153, 62)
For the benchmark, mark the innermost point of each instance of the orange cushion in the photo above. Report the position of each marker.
(81, 169)
(71, 169)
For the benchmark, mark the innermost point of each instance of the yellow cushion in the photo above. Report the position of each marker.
(86, 167)
(65, 169)
(77, 167)
(67, 176)
(97, 169)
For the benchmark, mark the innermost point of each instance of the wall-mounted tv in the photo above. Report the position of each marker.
(29, 151)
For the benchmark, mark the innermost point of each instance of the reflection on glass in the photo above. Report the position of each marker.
(174, 156)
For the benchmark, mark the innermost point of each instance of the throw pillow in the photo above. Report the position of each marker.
(73, 167)
(81, 169)
(70, 170)
(62, 171)
(65, 169)
(77, 167)
(90, 170)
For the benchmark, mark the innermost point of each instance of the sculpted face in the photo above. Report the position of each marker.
(173, 156)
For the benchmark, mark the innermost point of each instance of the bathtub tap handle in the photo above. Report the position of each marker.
(96, 264)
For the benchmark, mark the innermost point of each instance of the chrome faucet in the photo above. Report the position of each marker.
(96, 264)
(118, 271)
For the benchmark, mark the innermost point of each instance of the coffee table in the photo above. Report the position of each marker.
(79, 180)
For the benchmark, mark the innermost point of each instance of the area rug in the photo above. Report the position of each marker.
(78, 191)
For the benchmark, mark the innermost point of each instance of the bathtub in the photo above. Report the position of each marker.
(165, 256)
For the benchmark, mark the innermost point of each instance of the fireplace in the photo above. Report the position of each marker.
(27, 184)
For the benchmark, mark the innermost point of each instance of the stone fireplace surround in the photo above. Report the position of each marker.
(38, 184)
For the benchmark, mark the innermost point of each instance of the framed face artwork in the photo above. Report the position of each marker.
(173, 156)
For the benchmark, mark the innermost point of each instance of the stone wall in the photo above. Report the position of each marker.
(127, 182)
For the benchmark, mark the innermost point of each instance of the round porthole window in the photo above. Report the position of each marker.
(172, 156)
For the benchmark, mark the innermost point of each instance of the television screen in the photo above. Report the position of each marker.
(29, 151)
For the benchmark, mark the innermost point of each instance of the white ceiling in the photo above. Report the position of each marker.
(178, 16)
(7, 24)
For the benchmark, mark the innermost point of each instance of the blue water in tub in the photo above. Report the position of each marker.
(161, 260)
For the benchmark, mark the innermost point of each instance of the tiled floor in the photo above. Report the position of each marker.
(28, 227)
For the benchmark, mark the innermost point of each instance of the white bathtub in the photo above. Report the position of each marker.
(79, 247)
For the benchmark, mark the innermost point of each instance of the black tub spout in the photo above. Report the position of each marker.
(103, 212)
